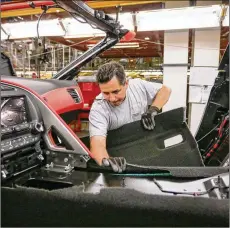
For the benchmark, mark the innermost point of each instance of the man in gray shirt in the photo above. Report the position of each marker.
(121, 102)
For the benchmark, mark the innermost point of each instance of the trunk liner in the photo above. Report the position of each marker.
(143, 147)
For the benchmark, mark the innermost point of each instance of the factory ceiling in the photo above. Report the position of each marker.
(150, 43)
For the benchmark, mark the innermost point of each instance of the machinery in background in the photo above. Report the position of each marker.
(6, 66)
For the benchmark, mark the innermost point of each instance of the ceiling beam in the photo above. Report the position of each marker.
(27, 10)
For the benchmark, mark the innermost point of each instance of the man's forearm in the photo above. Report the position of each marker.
(98, 149)
(99, 154)
(162, 97)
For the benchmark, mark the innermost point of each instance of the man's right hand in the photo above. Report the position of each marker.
(147, 118)
(118, 164)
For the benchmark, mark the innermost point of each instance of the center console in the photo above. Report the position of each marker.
(21, 129)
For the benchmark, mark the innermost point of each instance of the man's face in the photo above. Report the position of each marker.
(113, 91)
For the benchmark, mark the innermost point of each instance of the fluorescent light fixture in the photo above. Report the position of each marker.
(125, 46)
(226, 19)
(180, 18)
(70, 41)
(121, 45)
(21, 30)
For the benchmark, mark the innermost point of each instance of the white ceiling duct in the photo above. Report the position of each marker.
(20, 30)
(77, 29)
(179, 18)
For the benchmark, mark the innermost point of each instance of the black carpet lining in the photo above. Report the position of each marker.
(111, 207)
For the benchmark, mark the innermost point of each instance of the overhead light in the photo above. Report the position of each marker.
(180, 18)
(70, 41)
(121, 45)
(147, 38)
(126, 46)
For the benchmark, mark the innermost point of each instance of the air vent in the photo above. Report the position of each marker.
(7, 88)
(74, 94)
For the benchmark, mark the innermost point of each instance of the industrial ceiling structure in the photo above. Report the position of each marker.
(145, 44)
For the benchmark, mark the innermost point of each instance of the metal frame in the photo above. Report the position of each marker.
(97, 19)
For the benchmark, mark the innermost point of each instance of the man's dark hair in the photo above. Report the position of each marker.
(108, 70)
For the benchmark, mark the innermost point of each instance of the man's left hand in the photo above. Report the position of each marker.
(118, 164)
(148, 118)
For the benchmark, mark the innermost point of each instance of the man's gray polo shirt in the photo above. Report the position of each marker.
(104, 117)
